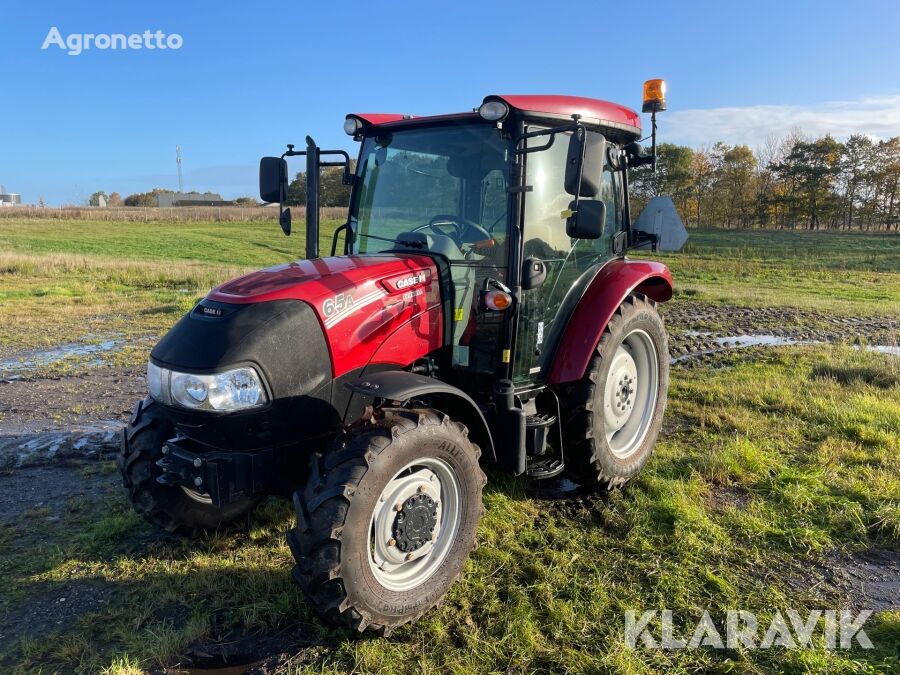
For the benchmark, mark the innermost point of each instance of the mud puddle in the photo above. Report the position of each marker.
(698, 330)
(715, 344)
(22, 448)
(18, 366)
(868, 579)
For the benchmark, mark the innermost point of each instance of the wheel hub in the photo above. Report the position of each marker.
(630, 393)
(415, 523)
(621, 389)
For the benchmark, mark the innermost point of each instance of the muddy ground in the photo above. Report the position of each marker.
(58, 436)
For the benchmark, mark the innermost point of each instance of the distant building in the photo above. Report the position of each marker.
(9, 198)
(191, 199)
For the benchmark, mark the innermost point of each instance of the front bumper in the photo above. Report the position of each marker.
(224, 476)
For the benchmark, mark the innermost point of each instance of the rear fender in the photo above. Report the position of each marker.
(400, 385)
(607, 291)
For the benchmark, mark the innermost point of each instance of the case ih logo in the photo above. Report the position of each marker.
(408, 280)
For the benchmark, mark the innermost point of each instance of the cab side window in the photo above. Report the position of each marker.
(611, 193)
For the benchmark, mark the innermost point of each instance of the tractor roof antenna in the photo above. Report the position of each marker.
(178, 162)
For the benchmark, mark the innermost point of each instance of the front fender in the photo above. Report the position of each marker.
(400, 385)
(606, 292)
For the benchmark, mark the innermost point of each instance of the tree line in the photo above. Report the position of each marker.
(332, 191)
(789, 183)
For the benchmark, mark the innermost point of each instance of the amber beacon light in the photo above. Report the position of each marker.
(654, 96)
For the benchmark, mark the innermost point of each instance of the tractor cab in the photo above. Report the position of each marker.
(521, 201)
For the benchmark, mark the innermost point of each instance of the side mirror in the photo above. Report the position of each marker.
(534, 273)
(285, 221)
(659, 226)
(273, 182)
(587, 151)
(587, 219)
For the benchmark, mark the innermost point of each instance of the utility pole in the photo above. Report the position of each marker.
(178, 162)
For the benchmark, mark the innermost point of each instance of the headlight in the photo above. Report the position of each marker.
(154, 380)
(236, 389)
(352, 125)
(493, 111)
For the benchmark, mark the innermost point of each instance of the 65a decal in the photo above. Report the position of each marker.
(337, 304)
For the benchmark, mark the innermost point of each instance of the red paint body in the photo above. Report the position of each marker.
(394, 315)
(592, 111)
(609, 288)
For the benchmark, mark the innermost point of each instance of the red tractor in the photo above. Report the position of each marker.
(482, 311)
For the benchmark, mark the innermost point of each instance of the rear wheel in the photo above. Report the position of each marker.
(173, 508)
(614, 414)
(387, 520)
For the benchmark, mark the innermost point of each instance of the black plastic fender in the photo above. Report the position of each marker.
(400, 385)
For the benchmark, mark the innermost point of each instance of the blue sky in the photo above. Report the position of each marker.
(251, 77)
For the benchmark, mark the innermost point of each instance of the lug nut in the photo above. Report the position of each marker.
(198, 463)
(198, 481)
(409, 556)
(392, 542)
(165, 450)
(420, 489)
(398, 507)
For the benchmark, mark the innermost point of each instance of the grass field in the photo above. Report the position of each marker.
(772, 465)
(136, 279)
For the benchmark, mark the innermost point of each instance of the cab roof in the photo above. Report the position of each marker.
(592, 112)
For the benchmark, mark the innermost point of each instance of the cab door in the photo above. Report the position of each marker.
(570, 263)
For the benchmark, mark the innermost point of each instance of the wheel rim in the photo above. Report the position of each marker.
(630, 393)
(427, 492)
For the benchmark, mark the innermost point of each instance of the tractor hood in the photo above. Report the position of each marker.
(365, 305)
(316, 281)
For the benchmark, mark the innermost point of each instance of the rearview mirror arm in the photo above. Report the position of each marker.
(543, 132)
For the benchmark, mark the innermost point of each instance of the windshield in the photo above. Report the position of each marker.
(439, 188)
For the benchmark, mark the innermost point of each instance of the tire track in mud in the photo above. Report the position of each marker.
(699, 333)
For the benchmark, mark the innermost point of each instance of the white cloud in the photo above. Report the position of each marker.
(878, 117)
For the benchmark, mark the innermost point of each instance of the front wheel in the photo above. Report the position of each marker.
(176, 509)
(614, 414)
(387, 520)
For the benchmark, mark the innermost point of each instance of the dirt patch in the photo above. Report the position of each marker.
(44, 420)
(53, 609)
(43, 494)
(42, 404)
(869, 579)
(254, 653)
(724, 497)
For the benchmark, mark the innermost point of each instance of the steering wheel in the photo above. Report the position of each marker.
(462, 229)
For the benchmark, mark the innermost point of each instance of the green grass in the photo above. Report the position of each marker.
(841, 273)
(229, 243)
(767, 465)
(77, 280)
